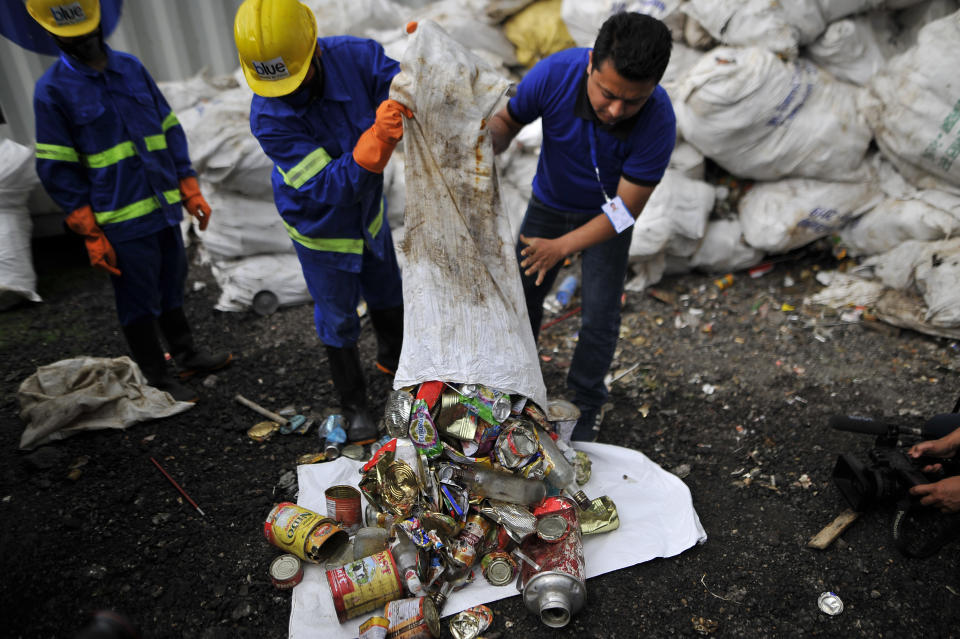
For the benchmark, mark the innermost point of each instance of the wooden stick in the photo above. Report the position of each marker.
(260, 409)
(177, 486)
(834, 529)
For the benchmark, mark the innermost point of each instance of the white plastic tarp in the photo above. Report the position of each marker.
(88, 393)
(241, 226)
(761, 118)
(464, 314)
(584, 17)
(657, 519)
(240, 280)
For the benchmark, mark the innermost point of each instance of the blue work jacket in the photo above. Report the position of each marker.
(329, 203)
(110, 140)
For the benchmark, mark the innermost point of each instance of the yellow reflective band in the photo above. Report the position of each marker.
(156, 142)
(325, 244)
(306, 169)
(57, 152)
(170, 121)
(137, 209)
(110, 156)
(377, 223)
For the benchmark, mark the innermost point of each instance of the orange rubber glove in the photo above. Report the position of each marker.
(376, 144)
(102, 256)
(193, 200)
(411, 26)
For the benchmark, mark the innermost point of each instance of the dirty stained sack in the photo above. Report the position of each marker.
(464, 314)
(88, 393)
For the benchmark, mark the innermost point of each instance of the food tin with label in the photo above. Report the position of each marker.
(304, 533)
(413, 618)
(374, 628)
(343, 505)
(364, 585)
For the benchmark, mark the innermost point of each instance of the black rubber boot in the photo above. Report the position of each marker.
(352, 388)
(148, 354)
(388, 325)
(176, 330)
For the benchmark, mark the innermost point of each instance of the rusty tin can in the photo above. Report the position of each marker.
(364, 585)
(303, 533)
(557, 589)
(413, 618)
(343, 505)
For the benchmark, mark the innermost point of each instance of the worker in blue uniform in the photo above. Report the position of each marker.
(322, 115)
(608, 132)
(112, 153)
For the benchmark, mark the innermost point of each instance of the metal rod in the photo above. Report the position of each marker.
(260, 409)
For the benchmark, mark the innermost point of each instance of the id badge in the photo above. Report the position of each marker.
(618, 214)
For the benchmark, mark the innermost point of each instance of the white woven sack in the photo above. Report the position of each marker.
(915, 113)
(780, 216)
(464, 314)
(761, 118)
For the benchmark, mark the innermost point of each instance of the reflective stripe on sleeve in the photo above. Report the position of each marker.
(306, 168)
(170, 121)
(57, 152)
(333, 245)
(156, 142)
(377, 223)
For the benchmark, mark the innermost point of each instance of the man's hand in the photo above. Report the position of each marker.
(944, 494)
(943, 447)
(540, 255)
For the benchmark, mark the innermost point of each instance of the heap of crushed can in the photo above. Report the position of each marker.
(466, 480)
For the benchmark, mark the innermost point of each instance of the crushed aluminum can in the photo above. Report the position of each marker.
(517, 520)
(515, 446)
(600, 517)
(830, 603)
(563, 415)
(469, 623)
(353, 451)
(422, 431)
(374, 628)
(262, 431)
(311, 458)
(397, 412)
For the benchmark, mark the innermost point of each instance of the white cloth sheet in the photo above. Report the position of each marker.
(657, 519)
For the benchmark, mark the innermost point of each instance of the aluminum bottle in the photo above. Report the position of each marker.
(497, 485)
(562, 476)
(556, 588)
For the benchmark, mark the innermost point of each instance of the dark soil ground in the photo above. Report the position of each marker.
(731, 391)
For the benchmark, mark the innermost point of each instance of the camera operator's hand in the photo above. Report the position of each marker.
(943, 447)
(944, 494)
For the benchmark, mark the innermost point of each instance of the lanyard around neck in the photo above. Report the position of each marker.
(593, 156)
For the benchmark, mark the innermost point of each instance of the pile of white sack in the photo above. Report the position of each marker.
(842, 117)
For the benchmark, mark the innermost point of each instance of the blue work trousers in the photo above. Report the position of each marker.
(603, 271)
(153, 273)
(337, 293)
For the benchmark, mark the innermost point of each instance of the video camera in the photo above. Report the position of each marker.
(889, 472)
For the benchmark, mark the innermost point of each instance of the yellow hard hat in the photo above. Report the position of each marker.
(66, 18)
(275, 40)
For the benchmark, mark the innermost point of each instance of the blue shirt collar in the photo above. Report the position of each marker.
(333, 84)
(75, 65)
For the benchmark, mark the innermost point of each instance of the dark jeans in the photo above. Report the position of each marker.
(603, 271)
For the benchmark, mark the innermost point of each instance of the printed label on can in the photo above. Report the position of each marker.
(414, 618)
(374, 628)
(364, 585)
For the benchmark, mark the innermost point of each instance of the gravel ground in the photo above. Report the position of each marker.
(731, 389)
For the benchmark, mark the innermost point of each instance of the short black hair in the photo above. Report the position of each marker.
(638, 45)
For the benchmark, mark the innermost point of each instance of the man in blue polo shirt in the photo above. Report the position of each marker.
(608, 132)
(322, 115)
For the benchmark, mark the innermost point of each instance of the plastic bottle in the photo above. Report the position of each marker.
(562, 296)
(501, 486)
(563, 476)
(407, 556)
